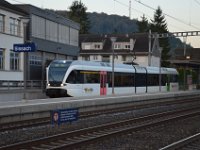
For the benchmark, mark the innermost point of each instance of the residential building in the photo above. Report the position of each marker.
(127, 48)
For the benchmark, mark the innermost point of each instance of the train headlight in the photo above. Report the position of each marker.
(48, 84)
(63, 84)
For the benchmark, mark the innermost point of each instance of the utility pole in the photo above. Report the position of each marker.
(174, 34)
(129, 9)
(25, 21)
(149, 54)
(113, 39)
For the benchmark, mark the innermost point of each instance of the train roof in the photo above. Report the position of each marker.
(108, 66)
(123, 67)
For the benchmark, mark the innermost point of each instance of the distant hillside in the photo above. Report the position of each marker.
(103, 23)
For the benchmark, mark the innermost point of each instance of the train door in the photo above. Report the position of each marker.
(103, 80)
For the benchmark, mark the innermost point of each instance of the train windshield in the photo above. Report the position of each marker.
(57, 70)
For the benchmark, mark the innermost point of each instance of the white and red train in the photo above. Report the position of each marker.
(87, 78)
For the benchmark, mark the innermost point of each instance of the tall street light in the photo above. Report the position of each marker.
(113, 39)
(184, 55)
(25, 21)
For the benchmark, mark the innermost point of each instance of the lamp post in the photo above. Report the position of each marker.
(25, 21)
(149, 54)
(184, 55)
(113, 39)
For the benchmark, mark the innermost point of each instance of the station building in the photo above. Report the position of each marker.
(11, 31)
(54, 36)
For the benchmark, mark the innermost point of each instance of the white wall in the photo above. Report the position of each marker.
(142, 60)
(6, 42)
(155, 61)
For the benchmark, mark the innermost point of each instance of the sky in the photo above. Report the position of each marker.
(180, 15)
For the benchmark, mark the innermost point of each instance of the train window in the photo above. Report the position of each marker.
(91, 76)
(121, 79)
(173, 78)
(163, 79)
(75, 77)
(153, 79)
(140, 79)
(109, 79)
(72, 77)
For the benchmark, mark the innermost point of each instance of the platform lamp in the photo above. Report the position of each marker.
(25, 21)
(113, 39)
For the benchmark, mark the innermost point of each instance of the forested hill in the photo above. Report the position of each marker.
(103, 23)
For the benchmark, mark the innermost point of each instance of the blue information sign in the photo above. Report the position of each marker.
(64, 115)
(27, 47)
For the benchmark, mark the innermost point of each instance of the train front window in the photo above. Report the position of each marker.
(57, 70)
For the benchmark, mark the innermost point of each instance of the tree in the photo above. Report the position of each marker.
(143, 25)
(159, 25)
(78, 14)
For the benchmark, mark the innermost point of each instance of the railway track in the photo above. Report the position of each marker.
(135, 106)
(189, 143)
(76, 139)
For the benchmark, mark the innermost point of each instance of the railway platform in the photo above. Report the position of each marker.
(26, 109)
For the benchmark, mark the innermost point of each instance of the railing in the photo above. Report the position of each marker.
(189, 87)
(38, 84)
(30, 84)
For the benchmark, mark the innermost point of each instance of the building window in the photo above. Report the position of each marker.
(14, 26)
(96, 46)
(123, 58)
(87, 46)
(1, 59)
(2, 23)
(127, 46)
(95, 57)
(117, 46)
(87, 58)
(14, 61)
(35, 60)
(106, 59)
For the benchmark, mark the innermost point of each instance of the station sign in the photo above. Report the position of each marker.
(64, 115)
(27, 47)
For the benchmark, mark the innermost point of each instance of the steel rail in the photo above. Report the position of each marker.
(46, 120)
(77, 138)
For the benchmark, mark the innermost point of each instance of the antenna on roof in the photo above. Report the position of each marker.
(129, 9)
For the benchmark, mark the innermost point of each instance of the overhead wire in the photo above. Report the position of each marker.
(139, 1)
(132, 8)
(197, 2)
(174, 18)
(145, 13)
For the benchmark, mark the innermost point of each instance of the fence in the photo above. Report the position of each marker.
(30, 84)
(38, 84)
